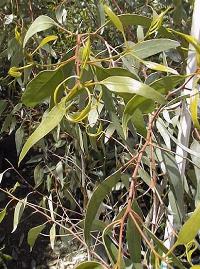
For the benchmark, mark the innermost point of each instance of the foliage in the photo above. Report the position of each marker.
(95, 103)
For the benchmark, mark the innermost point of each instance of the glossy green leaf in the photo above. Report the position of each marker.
(33, 234)
(120, 84)
(44, 41)
(41, 23)
(196, 146)
(151, 47)
(190, 228)
(159, 67)
(2, 214)
(194, 102)
(90, 265)
(114, 18)
(44, 84)
(95, 201)
(48, 123)
(19, 209)
(156, 22)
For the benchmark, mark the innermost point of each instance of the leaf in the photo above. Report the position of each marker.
(44, 84)
(19, 209)
(160, 245)
(196, 146)
(156, 22)
(14, 72)
(2, 214)
(134, 237)
(120, 84)
(90, 265)
(41, 23)
(48, 124)
(159, 67)
(176, 186)
(194, 102)
(136, 103)
(33, 234)
(44, 41)
(52, 235)
(190, 228)
(149, 48)
(95, 201)
(114, 18)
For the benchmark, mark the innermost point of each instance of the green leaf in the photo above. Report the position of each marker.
(33, 234)
(90, 265)
(19, 209)
(44, 41)
(44, 84)
(136, 103)
(149, 48)
(176, 194)
(48, 124)
(133, 236)
(194, 102)
(120, 84)
(196, 146)
(133, 19)
(2, 214)
(41, 23)
(190, 228)
(159, 67)
(95, 201)
(114, 18)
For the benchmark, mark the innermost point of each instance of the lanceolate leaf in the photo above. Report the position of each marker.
(41, 23)
(115, 20)
(33, 234)
(120, 84)
(48, 124)
(44, 84)
(90, 265)
(190, 228)
(149, 48)
(194, 102)
(2, 214)
(97, 198)
(19, 209)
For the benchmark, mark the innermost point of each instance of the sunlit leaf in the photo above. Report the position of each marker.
(115, 20)
(19, 209)
(52, 235)
(120, 84)
(2, 214)
(41, 23)
(190, 228)
(47, 125)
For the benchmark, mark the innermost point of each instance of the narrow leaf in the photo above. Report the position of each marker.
(47, 125)
(52, 235)
(2, 214)
(19, 209)
(90, 265)
(97, 198)
(115, 20)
